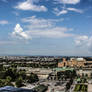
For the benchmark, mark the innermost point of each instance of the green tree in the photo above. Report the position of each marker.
(91, 75)
(19, 82)
(33, 78)
(2, 83)
(22, 74)
(8, 79)
(86, 75)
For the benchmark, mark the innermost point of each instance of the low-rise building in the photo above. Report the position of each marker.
(73, 62)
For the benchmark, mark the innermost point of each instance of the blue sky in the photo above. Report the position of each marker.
(46, 27)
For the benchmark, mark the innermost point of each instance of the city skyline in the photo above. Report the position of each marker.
(46, 27)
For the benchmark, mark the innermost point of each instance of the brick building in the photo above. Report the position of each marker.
(73, 62)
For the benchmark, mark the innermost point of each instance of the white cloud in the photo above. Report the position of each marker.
(18, 33)
(90, 44)
(81, 40)
(40, 27)
(63, 12)
(15, 13)
(58, 12)
(40, 23)
(29, 5)
(3, 22)
(68, 1)
(56, 32)
(66, 10)
(75, 10)
(84, 41)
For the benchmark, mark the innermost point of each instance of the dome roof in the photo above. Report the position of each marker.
(79, 59)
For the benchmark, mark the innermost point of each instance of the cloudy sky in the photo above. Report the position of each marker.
(46, 27)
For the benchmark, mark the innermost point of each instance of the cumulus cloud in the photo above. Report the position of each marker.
(68, 1)
(84, 40)
(81, 40)
(18, 33)
(3, 22)
(30, 5)
(40, 27)
(90, 44)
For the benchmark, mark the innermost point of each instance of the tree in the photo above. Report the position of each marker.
(41, 88)
(91, 75)
(19, 82)
(67, 86)
(8, 79)
(22, 74)
(2, 83)
(33, 78)
(86, 75)
(82, 75)
(10, 72)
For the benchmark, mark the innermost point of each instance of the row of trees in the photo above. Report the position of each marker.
(36, 65)
(68, 85)
(68, 74)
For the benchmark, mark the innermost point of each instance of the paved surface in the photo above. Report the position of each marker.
(89, 87)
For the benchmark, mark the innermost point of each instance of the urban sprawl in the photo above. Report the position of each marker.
(45, 74)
